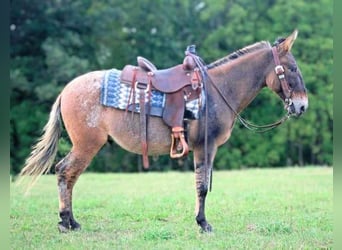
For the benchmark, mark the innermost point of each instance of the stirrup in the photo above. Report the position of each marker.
(179, 147)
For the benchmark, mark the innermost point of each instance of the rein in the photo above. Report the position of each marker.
(279, 70)
(204, 73)
(247, 124)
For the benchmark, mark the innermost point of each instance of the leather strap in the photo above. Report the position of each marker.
(279, 70)
(143, 89)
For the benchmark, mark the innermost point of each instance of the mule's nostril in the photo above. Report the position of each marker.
(302, 109)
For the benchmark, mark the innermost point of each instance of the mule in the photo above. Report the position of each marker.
(235, 80)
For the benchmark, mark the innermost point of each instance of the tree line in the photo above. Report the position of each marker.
(52, 42)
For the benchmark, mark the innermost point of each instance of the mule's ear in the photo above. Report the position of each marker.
(287, 44)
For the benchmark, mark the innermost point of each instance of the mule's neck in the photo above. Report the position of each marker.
(241, 79)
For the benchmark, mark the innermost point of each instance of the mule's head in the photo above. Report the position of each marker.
(285, 77)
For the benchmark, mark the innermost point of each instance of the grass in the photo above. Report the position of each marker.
(288, 208)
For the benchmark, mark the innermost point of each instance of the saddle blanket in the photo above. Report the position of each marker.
(117, 95)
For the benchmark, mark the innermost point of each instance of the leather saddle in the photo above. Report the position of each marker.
(180, 83)
(168, 81)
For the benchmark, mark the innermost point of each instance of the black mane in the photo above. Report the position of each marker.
(238, 53)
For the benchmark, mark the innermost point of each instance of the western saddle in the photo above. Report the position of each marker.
(180, 84)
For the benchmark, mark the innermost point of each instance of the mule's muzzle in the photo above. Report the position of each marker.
(296, 106)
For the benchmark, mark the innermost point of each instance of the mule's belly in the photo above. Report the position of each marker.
(125, 130)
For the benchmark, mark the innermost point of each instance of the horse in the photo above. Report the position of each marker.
(235, 80)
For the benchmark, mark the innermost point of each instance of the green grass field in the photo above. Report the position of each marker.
(287, 208)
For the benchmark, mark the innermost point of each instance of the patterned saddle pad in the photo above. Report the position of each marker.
(116, 95)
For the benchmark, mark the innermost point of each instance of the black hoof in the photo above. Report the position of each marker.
(205, 227)
(75, 226)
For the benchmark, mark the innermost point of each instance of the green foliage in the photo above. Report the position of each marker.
(287, 208)
(54, 41)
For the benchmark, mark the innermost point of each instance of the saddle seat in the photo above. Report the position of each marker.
(168, 80)
(179, 83)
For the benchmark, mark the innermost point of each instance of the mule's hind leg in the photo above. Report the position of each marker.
(202, 177)
(68, 170)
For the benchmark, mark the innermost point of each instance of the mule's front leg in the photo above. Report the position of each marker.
(202, 176)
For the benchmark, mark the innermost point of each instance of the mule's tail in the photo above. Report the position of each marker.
(44, 151)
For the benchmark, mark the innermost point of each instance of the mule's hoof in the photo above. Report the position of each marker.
(75, 226)
(62, 228)
(207, 228)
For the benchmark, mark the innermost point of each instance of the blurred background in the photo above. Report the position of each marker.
(54, 41)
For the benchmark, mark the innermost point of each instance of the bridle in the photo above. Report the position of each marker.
(279, 70)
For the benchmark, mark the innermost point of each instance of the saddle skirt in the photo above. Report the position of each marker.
(117, 94)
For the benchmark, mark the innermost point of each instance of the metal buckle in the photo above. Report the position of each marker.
(196, 79)
(279, 69)
(142, 86)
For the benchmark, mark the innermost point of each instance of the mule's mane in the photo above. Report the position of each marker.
(239, 53)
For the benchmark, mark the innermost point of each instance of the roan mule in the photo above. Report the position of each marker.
(235, 80)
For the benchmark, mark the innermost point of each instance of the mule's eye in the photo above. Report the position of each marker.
(293, 68)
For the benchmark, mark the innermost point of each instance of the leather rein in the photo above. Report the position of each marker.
(279, 70)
